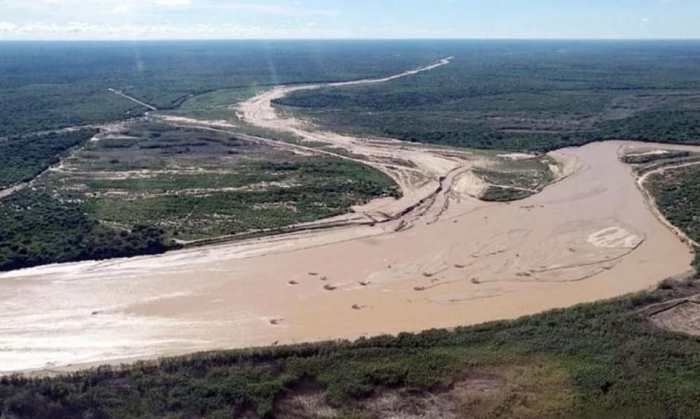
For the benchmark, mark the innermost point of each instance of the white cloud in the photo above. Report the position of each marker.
(84, 30)
(108, 19)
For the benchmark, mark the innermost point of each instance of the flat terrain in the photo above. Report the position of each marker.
(303, 230)
(75, 88)
(452, 260)
(182, 185)
(605, 359)
(525, 96)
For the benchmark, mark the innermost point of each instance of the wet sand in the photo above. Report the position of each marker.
(452, 260)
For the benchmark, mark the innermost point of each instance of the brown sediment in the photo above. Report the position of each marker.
(216, 297)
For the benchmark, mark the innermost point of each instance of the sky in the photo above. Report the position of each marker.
(357, 19)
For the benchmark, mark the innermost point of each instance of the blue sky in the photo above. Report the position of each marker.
(233, 19)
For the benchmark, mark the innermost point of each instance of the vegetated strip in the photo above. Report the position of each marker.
(23, 158)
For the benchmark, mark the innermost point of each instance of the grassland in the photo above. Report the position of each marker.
(511, 180)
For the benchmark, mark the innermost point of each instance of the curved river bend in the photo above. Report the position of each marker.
(453, 261)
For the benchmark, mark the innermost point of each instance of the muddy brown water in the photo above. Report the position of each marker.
(589, 237)
(453, 260)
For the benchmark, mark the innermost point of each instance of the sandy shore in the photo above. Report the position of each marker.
(452, 261)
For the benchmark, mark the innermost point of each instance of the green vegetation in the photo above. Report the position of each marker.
(23, 158)
(305, 190)
(72, 90)
(526, 96)
(216, 105)
(644, 158)
(38, 228)
(514, 179)
(677, 193)
(605, 359)
(154, 187)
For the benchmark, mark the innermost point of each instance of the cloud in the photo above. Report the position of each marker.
(107, 19)
(85, 30)
(96, 7)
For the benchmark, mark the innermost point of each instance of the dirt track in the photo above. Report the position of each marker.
(452, 261)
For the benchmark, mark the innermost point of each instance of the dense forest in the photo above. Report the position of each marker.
(38, 228)
(527, 96)
(677, 193)
(53, 85)
(23, 158)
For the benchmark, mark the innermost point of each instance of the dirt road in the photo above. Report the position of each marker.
(454, 261)
(133, 99)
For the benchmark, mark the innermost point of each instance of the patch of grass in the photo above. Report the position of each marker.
(511, 180)
(645, 158)
(504, 194)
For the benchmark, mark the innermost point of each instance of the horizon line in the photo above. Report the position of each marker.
(342, 39)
